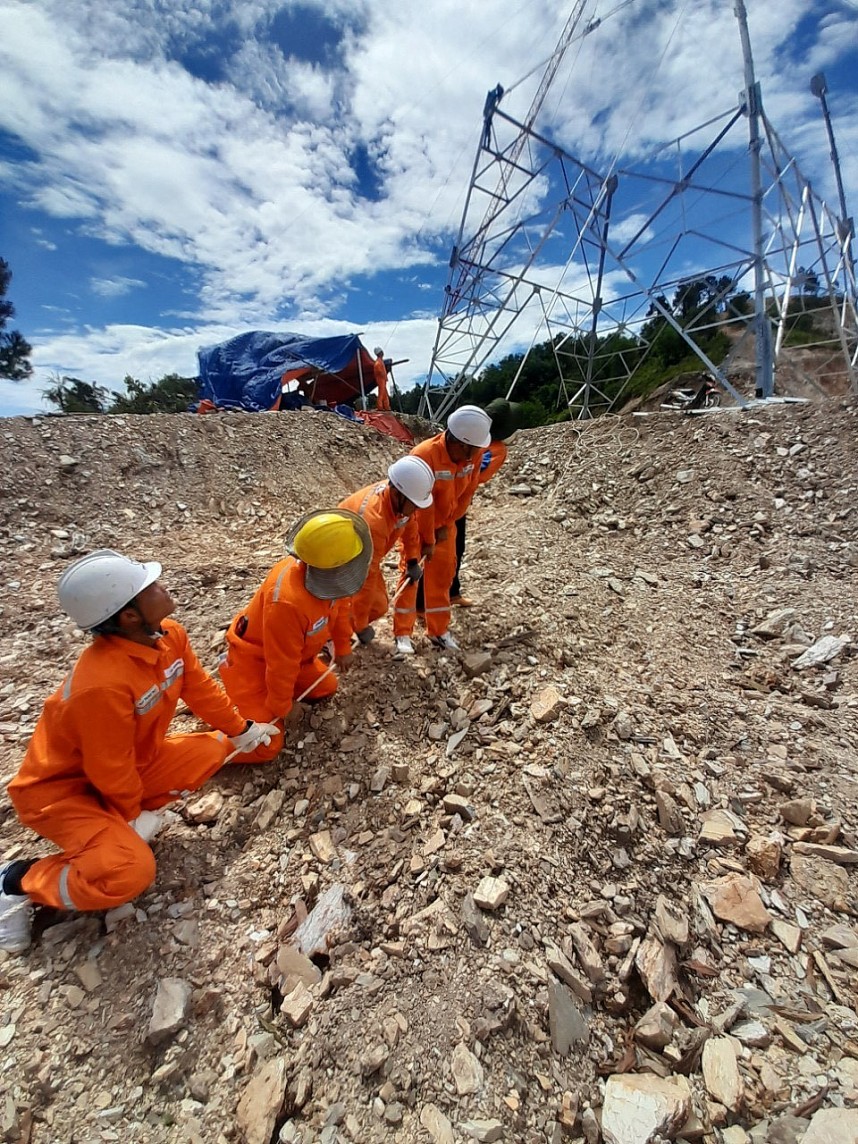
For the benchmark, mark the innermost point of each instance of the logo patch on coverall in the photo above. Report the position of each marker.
(318, 625)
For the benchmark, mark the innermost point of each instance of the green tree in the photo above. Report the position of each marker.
(14, 349)
(71, 395)
(171, 394)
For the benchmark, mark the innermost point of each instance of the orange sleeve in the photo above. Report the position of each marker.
(467, 494)
(104, 721)
(340, 626)
(426, 516)
(409, 539)
(379, 531)
(283, 635)
(206, 698)
(498, 453)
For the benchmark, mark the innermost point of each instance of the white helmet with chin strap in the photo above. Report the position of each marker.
(471, 425)
(414, 479)
(99, 585)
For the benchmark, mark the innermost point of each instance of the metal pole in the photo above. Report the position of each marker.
(360, 378)
(765, 382)
(593, 341)
(846, 225)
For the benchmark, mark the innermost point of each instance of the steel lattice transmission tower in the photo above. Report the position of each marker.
(628, 234)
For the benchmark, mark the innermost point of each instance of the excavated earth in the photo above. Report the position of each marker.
(590, 879)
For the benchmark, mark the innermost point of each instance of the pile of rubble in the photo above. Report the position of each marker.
(589, 881)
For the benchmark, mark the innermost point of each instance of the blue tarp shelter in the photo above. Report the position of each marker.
(247, 372)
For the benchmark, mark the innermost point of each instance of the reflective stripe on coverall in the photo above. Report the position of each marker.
(374, 504)
(100, 755)
(273, 649)
(451, 494)
(379, 370)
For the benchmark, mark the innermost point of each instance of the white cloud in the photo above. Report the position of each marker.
(249, 181)
(114, 287)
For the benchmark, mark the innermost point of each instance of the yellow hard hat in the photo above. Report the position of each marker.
(336, 547)
(327, 540)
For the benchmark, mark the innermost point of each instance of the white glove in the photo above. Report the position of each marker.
(256, 735)
(147, 824)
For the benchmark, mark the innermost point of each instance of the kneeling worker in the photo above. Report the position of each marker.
(274, 644)
(100, 760)
(388, 509)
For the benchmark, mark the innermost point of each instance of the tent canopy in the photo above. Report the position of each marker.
(247, 371)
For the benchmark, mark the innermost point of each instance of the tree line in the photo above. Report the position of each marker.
(549, 378)
(631, 364)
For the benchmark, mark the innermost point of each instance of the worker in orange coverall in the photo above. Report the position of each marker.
(100, 760)
(388, 509)
(379, 370)
(274, 645)
(505, 417)
(453, 456)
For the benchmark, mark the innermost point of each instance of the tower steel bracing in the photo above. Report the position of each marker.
(588, 256)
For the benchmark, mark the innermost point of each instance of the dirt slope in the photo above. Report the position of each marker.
(623, 565)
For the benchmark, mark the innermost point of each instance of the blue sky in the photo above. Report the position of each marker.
(173, 175)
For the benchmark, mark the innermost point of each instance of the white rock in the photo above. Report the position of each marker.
(491, 893)
(467, 1071)
(262, 1101)
(639, 1106)
(721, 1072)
(170, 1009)
(830, 1125)
(436, 1124)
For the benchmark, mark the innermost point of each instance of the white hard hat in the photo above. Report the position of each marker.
(471, 425)
(414, 479)
(97, 586)
(378, 350)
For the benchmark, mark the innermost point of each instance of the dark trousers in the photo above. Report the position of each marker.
(455, 587)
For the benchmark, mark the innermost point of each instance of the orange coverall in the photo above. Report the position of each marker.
(273, 649)
(100, 754)
(379, 369)
(374, 504)
(451, 494)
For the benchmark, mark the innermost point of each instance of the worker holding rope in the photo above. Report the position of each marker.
(453, 457)
(100, 761)
(389, 511)
(274, 646)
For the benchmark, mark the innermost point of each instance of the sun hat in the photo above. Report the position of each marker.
(335, 545)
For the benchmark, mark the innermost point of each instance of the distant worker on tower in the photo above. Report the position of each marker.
(389, 508)
(454, 457)
(379, 369)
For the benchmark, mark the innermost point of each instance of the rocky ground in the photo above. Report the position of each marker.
(590, 880)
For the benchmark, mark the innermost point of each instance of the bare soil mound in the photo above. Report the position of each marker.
(626, 799)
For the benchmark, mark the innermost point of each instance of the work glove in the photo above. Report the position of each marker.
(414, 571)
(147, 824)
(255, 735)
(344, 662)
